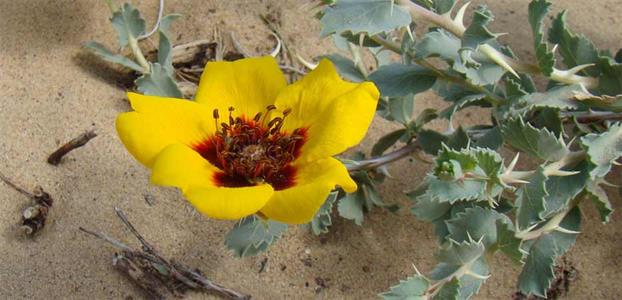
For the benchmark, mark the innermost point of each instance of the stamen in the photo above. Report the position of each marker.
(253, 151)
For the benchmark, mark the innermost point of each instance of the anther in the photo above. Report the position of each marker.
(257, 117)
(287, 111)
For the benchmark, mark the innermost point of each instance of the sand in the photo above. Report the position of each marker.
(51, 91)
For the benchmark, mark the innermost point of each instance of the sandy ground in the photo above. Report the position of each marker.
(51, 92)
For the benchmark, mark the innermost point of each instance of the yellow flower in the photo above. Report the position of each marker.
(250, 143)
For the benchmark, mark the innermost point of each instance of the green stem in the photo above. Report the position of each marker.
(138, 54)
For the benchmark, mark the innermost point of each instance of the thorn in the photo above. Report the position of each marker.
(609, 184)
(497, 58)
(561, 173)
(277, 49)
(459, 19)
(579, 68)
(512, 163)
(361, 39)
(564, 230)
(416, 270)
(307, 64)
(616, 163)
(554, 48)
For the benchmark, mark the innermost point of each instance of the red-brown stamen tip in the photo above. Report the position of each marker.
(250, 151)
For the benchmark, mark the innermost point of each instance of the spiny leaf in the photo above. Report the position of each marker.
(346, 68)
(574, 49)
(158, 83)
(477, 33)
(413, 288)
(562, 189)
(507, 241)
(530, 204)
(426, 208)
(103, 52)
(367, 16)
(467, 257)
(432, 141)
(603, 149)
(464, 102)
(476, 223)
(538, 9)
(492, 139)
(322, 219)
(397, 80)
(446, 46)
(252, 236)
(538, 271)
(386, 142)
(128, 23)
(600, 199)
(610, 81)
(540, 143)
(449, 291)
(559, 97)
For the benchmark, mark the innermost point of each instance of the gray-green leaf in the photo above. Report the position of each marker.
(413, 288)
(530, 200)
(129, 24)
(603, 149)
(103, 52)
(540, 143)
(252, 235)
(367, 16)
(322, 219)
(397, 80)
(158, 83)
(538, 9)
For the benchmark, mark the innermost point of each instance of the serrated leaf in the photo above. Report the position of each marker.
(477, 33)
(465, 262)
(574, 49)
(530, 204)
(603, 149)
(386, 142)
(322, 219)
(600, 199)
(413, 288)
(426, 208)
(562, 189)
(559, 97)
(158, 83)
(492, 139)
(449, 291)
(165, 48)
(538, 9)
(367, 16)
(537, 272)
(351, 206)
(610, 81)
(475, 223)
(103, 52)
(549, 118)
(346, 68)
(540, 143)
(432, 141)
(464, 102)
(507, 241)
(603, 102)
(251, 236)
(129, 24)
(398, 80)
(446, 46)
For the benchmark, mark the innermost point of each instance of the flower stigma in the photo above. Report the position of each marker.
(253, 151)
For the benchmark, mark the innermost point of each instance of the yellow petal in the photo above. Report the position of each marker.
(337, 113)
(157, 122)
(229, 203)
(249, 85)
(180, 166)
(314, 181)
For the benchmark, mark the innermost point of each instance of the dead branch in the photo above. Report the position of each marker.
(157, 276)
(81, 140)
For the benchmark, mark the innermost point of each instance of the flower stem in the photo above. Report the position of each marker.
(376, 162)
(593, 116)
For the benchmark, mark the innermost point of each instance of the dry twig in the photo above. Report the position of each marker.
(81, 140)
(35, 215)
(157, 276)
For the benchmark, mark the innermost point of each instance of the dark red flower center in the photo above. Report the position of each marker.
(253, 151)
